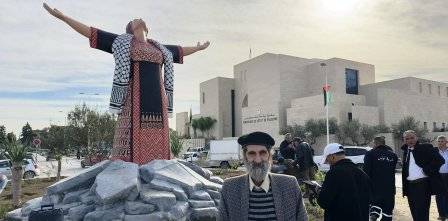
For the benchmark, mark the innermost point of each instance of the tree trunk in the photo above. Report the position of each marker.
(16, 183)
(59, 168)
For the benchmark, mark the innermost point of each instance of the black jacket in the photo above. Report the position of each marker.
(287, 150)
(345, 193)
(428, 158)
(379, 165)
(304, 156)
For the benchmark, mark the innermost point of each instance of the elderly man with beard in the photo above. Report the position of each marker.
(260, 195)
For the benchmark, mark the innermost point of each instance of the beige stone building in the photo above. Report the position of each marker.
(272, 91)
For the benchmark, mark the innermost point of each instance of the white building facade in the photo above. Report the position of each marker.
(272, 91)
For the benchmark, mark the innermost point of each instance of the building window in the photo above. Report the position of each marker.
(439, 89)
(425, 125)
(350, 116)
(245, 101)
(434, 126)
(203, 97)
(351, 81)
(420, 87)
(429, 88)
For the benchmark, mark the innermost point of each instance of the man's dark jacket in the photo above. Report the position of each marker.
(286, 150)
(379, 165)
(428, 158)
(345, 193)
(304, 156)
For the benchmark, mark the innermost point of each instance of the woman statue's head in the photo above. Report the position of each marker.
(137, 27)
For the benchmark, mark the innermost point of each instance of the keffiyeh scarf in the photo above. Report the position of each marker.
(121, 49)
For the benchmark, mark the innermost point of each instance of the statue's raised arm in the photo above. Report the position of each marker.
(76, 25)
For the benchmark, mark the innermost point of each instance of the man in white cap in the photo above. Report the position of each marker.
(346, 190)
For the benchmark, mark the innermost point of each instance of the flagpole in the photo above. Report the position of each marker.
(327, 101)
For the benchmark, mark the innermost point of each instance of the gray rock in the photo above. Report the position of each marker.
(206, 183)
(78, 213)
(171, 171)
(86, 176)
(88, 200)
(200, 195)
(138, 208)
(201, 204)
(163, 199)
(66, 207)
(15, 215)
(31, 205)
(157, 216)
(176, 173)
(118, 206)
(217, 179)
(74, 196)
(134, 193)
(104, 215)
(179, 211)
(205, 214)
(199, 170)
(167, 186)
(214, 194)
(116, 182)
(51, 199)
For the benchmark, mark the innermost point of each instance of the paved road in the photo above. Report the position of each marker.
(70, 167)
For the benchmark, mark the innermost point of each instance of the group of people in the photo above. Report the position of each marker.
(348, 192)
(297, 156)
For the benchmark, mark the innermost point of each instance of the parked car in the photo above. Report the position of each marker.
(30, 168)
(354, 153)
(192, 156)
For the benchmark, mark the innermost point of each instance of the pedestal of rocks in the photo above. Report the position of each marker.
(118, 190)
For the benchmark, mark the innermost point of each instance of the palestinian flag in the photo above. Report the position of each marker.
(328, 97)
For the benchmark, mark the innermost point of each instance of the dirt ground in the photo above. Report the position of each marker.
(402, 212)
(35, 188)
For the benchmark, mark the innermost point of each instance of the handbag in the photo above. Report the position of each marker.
(47, 213)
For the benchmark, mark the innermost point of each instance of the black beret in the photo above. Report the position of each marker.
(256, 138)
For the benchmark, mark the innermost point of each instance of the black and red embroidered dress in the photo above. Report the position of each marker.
(142, 132)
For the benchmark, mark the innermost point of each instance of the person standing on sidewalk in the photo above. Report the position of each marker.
(379, 165)
(346, 191)
(442, 198)
(421, 177)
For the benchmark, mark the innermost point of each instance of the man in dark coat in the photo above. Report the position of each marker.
(287, 148)
(420, 177)
(304, 158)
(379, 165)
(346, 191)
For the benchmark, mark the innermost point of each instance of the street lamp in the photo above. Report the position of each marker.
(85, 118)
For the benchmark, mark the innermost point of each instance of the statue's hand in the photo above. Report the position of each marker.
(203, 46)
(56, 13)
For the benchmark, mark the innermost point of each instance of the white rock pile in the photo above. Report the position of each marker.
(118, 190)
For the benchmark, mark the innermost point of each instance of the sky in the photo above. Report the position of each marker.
(45, 65)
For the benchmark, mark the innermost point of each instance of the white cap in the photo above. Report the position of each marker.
(331, 149)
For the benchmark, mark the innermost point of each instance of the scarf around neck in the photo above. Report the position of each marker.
(121, 49)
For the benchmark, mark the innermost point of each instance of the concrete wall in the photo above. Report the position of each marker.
(335, 70)
(215, 102)
(259, 79)
(265, 120)
(181, 123)
(396, 105)
(366, 115)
